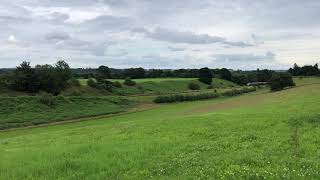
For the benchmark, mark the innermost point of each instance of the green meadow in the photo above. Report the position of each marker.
(273, 135)
(164, 85)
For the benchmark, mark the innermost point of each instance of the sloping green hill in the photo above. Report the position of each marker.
(165, 85)
(255, 136)
(35, 110)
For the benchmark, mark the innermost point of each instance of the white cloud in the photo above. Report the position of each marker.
(162, 33)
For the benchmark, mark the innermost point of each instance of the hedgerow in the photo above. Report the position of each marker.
(201, 96)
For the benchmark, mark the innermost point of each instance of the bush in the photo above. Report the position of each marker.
(185, 97)
(75, 92)
(193, 86)
(202, 96)
(92, 83)
(117, 84)
(210, 86)
(74, 82)
(235, 92)
(105, 85)
(47, 99)
(281, 80)
(129, 82)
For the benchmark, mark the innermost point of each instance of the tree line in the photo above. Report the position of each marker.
(307, 70)
(47, 78)
(54, 78)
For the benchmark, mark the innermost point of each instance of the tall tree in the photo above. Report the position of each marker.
(225, 74)
(205, 75)
(103, 72)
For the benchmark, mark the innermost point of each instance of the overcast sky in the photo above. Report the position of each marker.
(238, 34)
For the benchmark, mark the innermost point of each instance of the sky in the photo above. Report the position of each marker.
(236, 34)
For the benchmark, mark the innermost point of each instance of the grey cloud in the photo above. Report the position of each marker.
(57, 36)
(269, 56)
(176, 48)
(80, 46)
(109, 23)
(171, 36)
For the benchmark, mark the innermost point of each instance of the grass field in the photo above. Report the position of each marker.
(254, 136)
(26, 110)
(164, 85)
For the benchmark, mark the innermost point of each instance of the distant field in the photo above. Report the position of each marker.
(254, 136)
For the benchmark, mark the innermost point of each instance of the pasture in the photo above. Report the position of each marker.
(164, 85)
(253, 136)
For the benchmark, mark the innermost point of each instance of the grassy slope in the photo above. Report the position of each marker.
(165, 85)
(26, 111)
(250, 136)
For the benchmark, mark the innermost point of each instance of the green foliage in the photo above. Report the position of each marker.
(74, 82)
(247, 137)
(305, 70)
(225, 74)
(51, 79)
(46, 99)
(281, 80)
(235, 92)
(193, 86)
(134, 73)
(185, 97)
(117, 84)
(210, 86)
(92, 83)
(201, 96)
(46, 108)
(129, 82)
(103, 72)
(205, 75)
(105, 85)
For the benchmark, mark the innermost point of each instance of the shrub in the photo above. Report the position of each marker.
(210, 86)
(201, 96)
(235, 92)
(75, 92)
(281, 80)
(193, 86)
(185, 97)
(129, 82)
(92, 83)
(74, 82)
(117, 84)
(62, 98)
(105, 85)
(47, 99)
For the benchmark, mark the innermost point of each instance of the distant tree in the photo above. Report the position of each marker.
(24, 78)
(281, 80)
(103, 72)
(205, 75)
(240, 79)
(307, 70)
(264, 75)
(135, 73)
(225, 74)
(52, 79)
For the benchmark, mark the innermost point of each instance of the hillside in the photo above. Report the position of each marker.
(254, 136)
(165, 85)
